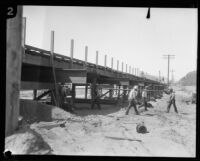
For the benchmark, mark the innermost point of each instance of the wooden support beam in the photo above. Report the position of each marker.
(34, 94)
(126, 68)
(43, 94)
(73, 95)
(86, 91)
(122, 66)
(71, 53)
(13, 70)
(53, 68)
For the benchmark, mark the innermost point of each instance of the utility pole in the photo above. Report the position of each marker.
(168, 58)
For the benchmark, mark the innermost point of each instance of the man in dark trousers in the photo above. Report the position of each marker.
(144, 98)
(172, 101)
(132, 98)
(96, 98)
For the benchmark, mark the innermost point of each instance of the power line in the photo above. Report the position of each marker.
(168, 58)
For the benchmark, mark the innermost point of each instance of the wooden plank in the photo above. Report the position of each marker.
(13, 70)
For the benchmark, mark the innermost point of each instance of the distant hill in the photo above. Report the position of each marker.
(189, 79)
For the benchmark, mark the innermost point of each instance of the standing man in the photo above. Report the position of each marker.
(132, 98)
(172, 101)
(144, 99)
(96, 98)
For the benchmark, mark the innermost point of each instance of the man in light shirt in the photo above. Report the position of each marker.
(132, 98)
(172, 101)
(144, 99)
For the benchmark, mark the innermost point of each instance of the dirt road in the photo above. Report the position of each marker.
(110, 132)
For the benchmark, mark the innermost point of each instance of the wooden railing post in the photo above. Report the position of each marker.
(105, 61)
(97, 56)
(86, 56)
(117, 65)
(71, 53)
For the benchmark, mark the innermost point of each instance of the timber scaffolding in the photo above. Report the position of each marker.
(37, 74)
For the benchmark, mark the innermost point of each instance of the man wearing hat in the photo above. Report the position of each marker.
(172, 101)
(132, 98)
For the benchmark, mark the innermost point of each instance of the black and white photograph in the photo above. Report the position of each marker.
(101, 81)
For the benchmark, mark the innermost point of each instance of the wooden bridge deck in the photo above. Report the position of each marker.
(36, 69)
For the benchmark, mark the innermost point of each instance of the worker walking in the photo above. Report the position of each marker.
(132, 98)
(172, 101)
(144, 99)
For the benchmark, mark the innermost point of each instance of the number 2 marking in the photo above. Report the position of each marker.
(10, 11)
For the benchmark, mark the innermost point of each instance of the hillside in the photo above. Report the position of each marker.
(189, 79)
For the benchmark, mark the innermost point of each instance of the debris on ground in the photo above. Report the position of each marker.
(110, 132)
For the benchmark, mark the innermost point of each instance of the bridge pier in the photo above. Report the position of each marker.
(13, 71)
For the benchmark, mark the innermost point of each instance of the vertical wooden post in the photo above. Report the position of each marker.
(117, 65)
(34, 94)
(97, 56)
(129, 69)
(72, 53)
(105, 61)
(133, 71)
(124, 93)
(136, 71)
(73, 94)
(86, 56)
(13, 71)
(111, 93)
(86, 91)
(53, 68)
(126, 68)
(112, 63)
(118, 96)
(23, 36)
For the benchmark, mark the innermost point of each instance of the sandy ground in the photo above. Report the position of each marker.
(112, 133)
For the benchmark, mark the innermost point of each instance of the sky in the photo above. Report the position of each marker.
(123, 33)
